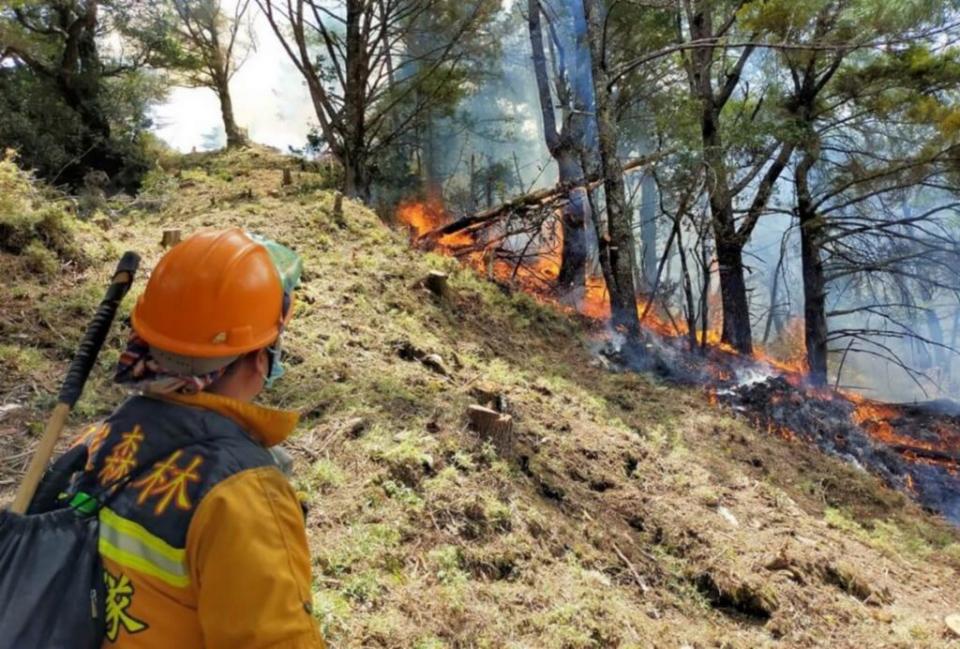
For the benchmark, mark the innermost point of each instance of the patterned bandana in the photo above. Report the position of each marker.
(138, 369)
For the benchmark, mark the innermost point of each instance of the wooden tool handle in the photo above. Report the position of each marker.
(38, 463)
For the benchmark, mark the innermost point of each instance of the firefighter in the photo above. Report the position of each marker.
(202, 538)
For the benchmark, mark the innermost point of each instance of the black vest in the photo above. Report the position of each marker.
(189, 450)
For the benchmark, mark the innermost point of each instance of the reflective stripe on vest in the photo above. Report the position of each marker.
(131, 545)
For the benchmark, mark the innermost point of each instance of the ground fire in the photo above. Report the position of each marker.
(913, 448)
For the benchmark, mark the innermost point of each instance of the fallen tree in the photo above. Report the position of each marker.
(556, 194)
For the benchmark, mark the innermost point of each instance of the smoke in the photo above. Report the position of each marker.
(905, 357)
(269, 96)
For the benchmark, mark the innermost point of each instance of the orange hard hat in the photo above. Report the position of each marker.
(215, 294)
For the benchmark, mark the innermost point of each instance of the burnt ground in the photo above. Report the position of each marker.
(913, 448)
(632, 513)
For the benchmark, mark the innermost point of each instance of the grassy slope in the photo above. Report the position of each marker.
(639, 516)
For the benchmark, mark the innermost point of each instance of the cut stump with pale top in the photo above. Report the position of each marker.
(170, 238)
(494, 427)
(953, 623)
(436, 283)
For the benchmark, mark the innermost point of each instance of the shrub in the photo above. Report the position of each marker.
(32, 226)
(40, 260)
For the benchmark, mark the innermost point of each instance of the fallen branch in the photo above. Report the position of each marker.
(636, 575)
(926, 453)
(538, 197)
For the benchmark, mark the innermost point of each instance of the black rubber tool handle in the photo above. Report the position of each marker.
(98, 329)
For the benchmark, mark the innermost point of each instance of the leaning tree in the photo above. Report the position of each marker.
(212, 45)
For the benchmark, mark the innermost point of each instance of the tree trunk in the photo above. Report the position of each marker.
(733, 287)
(550, 134)
(733, 293)
(936, 336)
(472, 199)
(773, 316)
(573, 261)
(689, 311)
(648, 229)
(78, 75)
(563, 146)
(623, 297)
(235, 137)
(814, 281)
(356, 178)
(355, 158)
(951, 359)
(704, 291)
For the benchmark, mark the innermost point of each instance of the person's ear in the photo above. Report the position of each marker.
(262, 361)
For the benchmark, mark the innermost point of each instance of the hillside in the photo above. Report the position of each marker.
(635, 515)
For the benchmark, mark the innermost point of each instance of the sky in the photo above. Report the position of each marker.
(270, 100)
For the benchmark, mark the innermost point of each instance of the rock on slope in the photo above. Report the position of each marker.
(634, 514)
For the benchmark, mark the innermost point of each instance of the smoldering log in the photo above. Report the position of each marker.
(539, 197)
(926, 453)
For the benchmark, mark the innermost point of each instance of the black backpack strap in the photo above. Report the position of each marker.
(56, 481)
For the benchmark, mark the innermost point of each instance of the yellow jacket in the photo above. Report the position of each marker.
(207, 549)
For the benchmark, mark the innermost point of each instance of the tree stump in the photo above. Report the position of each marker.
(338, 210)
(490, 396)
(493, 427)
(436, 283)
(287, 177)
(953, 623)
(170, 238)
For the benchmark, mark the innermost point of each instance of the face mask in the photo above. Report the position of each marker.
(276, 370)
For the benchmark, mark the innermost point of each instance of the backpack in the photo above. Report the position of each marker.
(52, 593)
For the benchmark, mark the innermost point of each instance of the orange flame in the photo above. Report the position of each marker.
(537, 269)
(427, 216)
(533, 269)
(878, 420)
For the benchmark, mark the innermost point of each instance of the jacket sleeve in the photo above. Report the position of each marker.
(248, 558)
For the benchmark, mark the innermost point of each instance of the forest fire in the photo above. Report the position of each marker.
(912, 448)
(534, 268)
